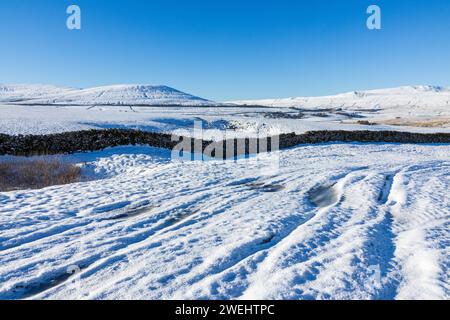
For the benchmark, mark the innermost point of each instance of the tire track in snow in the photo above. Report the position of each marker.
(257, 254)
(58, 276)
(303, 257)
(421, 226)
(167, 231)
(83, 219)
(343, 244)
(379, 250)
(93, 235)
(245, 187)
(93, 263)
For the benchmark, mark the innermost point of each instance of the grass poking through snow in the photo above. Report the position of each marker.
(21, 174)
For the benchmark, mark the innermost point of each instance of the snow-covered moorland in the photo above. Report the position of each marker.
(323, 226)
(106, 95)
(43, 110)
(327, 221)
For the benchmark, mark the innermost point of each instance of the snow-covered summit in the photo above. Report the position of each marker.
(107, 95)
(405, 90)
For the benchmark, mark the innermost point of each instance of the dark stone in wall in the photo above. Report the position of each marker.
(94, 140)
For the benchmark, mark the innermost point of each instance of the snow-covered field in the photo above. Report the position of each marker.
(335, 221)
(417, 109)
(330, 221)
(243, 121)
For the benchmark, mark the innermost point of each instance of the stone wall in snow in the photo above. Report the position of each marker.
(94, 140)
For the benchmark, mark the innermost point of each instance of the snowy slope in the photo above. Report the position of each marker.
(336, 221)
(107, 95)
(402, 97)
(410, 106)
(126, 95)
(17, 93)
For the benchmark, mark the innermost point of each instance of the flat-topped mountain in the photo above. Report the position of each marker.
(401, 97)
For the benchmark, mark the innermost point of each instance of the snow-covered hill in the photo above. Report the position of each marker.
(409, 106)
(21, 92)
(106, 95)
(408, 97)
(401, 97)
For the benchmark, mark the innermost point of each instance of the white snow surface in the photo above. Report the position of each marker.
(332, 221)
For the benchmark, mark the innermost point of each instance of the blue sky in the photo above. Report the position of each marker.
(229, 49)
